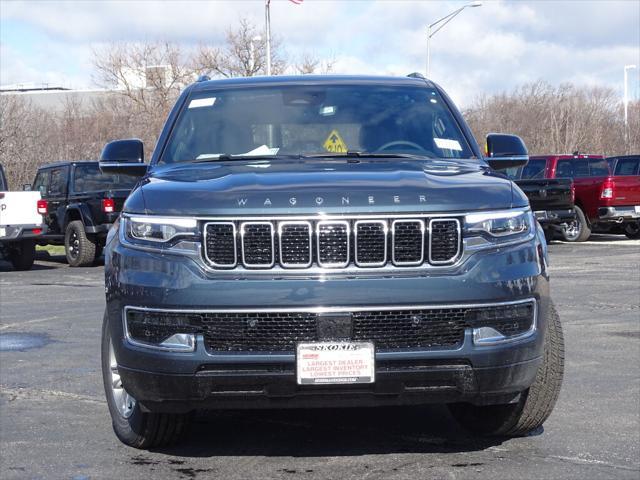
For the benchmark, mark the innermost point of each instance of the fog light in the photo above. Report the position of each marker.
(487, 335)
(180, 341)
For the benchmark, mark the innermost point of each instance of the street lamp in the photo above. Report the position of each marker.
(446, 19)
(626, 94)
(252, 52)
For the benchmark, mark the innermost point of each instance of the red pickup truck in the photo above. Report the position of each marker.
(604, 201)
(624, 199)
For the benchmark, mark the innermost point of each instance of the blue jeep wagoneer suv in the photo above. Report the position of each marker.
(325, 241)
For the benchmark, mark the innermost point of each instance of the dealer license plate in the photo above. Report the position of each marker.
(541, 215)
(325, 363)
(637, 207)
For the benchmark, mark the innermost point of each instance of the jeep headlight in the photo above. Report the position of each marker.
(159, 232)
(500, 224)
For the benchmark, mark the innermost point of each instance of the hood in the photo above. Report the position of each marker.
(320, 186)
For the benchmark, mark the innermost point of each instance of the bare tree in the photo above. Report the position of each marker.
(150, 75)
(560, 119)
(243, 54)
(309, 63)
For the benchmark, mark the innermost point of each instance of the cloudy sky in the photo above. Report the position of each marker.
(484, 50)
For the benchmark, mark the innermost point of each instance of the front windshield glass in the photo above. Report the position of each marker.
(315, 120)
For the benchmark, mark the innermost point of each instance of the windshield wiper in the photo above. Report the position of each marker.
(222, 157)
(361, 154)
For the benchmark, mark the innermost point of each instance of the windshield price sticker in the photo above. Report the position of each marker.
(202, 102)
(334, 143)
(447, 144)
(335, 362)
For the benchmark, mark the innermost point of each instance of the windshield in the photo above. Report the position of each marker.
(315, 120)
(89, 178)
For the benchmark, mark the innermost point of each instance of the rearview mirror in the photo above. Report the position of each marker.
(505, 151)
(123, 156)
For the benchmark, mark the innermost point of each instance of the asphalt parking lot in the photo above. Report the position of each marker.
(54, 422)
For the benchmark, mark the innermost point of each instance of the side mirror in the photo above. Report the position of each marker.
(26, 187)
(123, 156)
(505, 151)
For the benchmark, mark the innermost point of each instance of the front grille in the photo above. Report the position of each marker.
(221, 244)
(257, 244)
(371, 243)
(336, 244)
(444, 238)
(295, 244)
(333, 244)
(389, 329)
(408, 242)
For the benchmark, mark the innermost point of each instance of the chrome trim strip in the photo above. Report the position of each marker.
(329, 222)
(393, 242)
(385, 229)
(459, 247)
(273, 253)
(336, 309)
(310, 231)
(235, 245)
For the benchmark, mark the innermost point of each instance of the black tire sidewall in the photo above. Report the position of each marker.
(632, 233)
(23, 255)
(87, 246)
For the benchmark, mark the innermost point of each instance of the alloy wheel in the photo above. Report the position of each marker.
(124, 402)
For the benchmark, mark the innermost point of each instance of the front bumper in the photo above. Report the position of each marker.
(619, 213)
(180, 381)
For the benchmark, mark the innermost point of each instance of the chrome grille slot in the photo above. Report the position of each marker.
(220, 244)
(408, 242)
(444, 240)
(370, 243)
(257, 244)
(333, 243)
(295, 244)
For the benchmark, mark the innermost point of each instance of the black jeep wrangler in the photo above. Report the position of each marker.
(80, 204)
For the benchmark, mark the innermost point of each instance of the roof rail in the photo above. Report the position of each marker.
(203, 78)
(417, 75)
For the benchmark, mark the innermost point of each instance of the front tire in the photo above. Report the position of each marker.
(632, 230)
(578, 230)
(80, 249)
(131, 425)
(534, 405)
(23, 255)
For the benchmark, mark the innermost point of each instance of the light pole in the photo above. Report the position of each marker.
(443, 21)
(252, 53)
(267, 21)
(626, 94)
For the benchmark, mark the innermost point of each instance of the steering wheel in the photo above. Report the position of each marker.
(406, 143)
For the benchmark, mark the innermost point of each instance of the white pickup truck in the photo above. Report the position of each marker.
(20, 225)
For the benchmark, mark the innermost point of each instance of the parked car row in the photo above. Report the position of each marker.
(76, 203)
(575, 195)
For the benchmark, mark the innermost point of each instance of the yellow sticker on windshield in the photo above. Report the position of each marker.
(334, 143)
